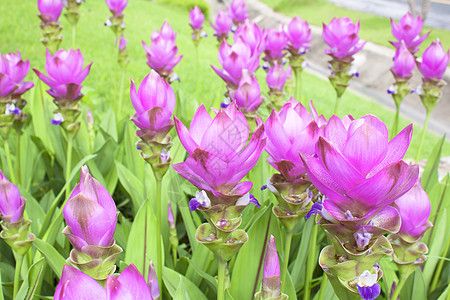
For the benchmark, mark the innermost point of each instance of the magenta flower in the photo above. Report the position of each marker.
(342, 37)
(275, 43)
(65, 74)
(116, 6)
(12, 205)
(75, 285)
(248, 93)
(90, 213)
(434, 62)
(154, 103)
(415, 209)
(408, 30)
(238, 11)
(299, 36)
(12, 72)
(170, 217)
(290, 131)
(152, 281)
(234, 59)
(252, 36)
(197, 18)
(222, 26)
(50, 9)
(161, 55)
(276, 77)
(271, 261)
(404, 62)
(358, 169)
(218, 160)
(122, 43)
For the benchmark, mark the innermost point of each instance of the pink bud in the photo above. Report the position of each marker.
(248, 93)
(122, 43)
(238, 11)
(275, 43)
(170, 217)
(116, 6)
(434, 61)
(223, 25)
(404, 62)
(50, 9)
(271, 261)
(12, 72)
(276, 77)
(12, 205)
(299, 35)
(342, 37)
(197, 18)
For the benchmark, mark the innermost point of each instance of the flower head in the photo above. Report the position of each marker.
(342, 37)
(276, 77)
(434, 61)
(122, 43)
(248, 93)
(299, 36)
(404, 62)
(408, 30)
(223, 25)
(65, 74)
(197, 18)
(12, 205)
(161, 55)
(238, 11)
(50, 9)
(12, 72)
(275, 42)
(90, 213)
(116, 6)
(252, 36)
(271, 261)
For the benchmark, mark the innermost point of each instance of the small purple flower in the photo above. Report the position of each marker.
(342, 37)
(222, 26)
(408, 30)
(12, 109)
(434, 61)
(201, 199)
(57, 119)
(238, 11)
(299, 36)
(197, 18)
(247, 199)
(368, 287)
(315, 209)
(152, 281)
(170, 217)
(362, 238)
(50, 9)
(404, 62)
(116, 6)
(12, 205)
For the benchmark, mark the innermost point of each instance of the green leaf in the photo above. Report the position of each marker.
(302, 253)
(209, 279)
(181, 292)
(29, 285)
(430, 174)
(250, 259)
(53, 258)
(444, 294)
(419, 287)
(203, 257)
(1, 287)
(172, 281)
(142, 242)
(132, 185)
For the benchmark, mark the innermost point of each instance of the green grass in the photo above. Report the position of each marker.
(373, 28)
(21, 31)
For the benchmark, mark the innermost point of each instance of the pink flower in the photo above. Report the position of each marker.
(408, 30)
(116, 6)
(12, 72)
(12, 205)
(342, 37)
(434, 61)
(299, 35)
(197, 18)
(275, 43)
(248, 93)
(404, 62)
(238, 11)
(271, 261)
(50, 9)
(276, 77)
(223, 25)
(252, 36)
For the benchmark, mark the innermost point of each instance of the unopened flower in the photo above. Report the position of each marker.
(299, 36)
(197, 18)
(275, 42)
(276, 77)
(404, 62)
(248, 93)
(252, 36)
(222, 26)
(12, 205)
(50, 9)
(116, 6)
(434, 62)
(238, 11)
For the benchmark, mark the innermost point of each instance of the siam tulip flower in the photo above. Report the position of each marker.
(434, 62)
(50, 10)
(275, 42)
(342, 37)
(161, 55)
(222, 26)
(91, 217)
(116, 6)
(404, 63)
(276, 77)
(298, 35)
(75, 285)
(234, 59)
(252, 36)
(248, 94)
(122, 43)
(152, 281)
(238, 11)
(408, 30)
(197, 18)
(12, 72)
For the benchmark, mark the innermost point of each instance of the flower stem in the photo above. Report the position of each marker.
(397, 115)
(197, 88)
(8, 161)
(287, 250)
(422, 137)
(158, 234)
(68, 162)
(336, 106)
(18, 158)
(298, 84)
(174, 254)
(122, 81)
(310, 264)
(322, 285)
(19, 261)
(400, 285)
(74, 33)
(221, 278)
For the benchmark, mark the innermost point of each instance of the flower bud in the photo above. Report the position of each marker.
(299, 36)
(222, 26)
(248, 93)
(50, 9)
(116, 6)
(434, 62)
(342, 37)
(197, 18)
(238, 11)
(404, 62)
(276, 77)
(12, 205)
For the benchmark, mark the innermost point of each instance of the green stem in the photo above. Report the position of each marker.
(18, 158)
(174, 254)
(221, 278)
(68, 162)
(400, 285)
(196, 72)
(310, 264)
(158, 234)
(298, 85)
(422, 137)
(336, 106)
(323, 283)
(8, 161)
(19, 261)
(287, 250)
(397, 115)
(74, 33)
(122, 81)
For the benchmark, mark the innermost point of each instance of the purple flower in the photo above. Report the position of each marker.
(218, 160)
(116, 6)
(12, 71)
(248, 93)
(299, 35)
(234, 59)
(415, 209)
(197, 18)
(368, 287)
(50, 9)
(342, 37)
(122, 43)
(275, 43)
(404, 62)
(290, 131)
(170, 217)
(252, 36)
(276, 77)
(12, 205)
(65, 74)
(271, 261)
(434, 61)
(408, 30)
(154, 103)
(90, 213)
(223, 25)
(238, 11)
(75, 285)
(161, 55)
(358, 169)
(152, 281)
